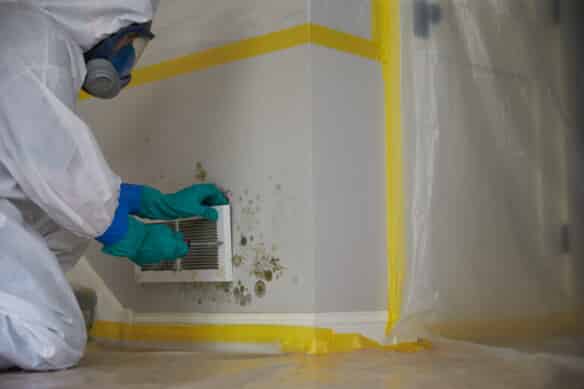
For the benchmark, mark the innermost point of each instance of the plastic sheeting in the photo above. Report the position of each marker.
(488, 197)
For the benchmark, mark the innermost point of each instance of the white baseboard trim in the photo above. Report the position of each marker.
(369, 324)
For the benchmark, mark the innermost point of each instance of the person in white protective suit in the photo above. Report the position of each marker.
(57, 192)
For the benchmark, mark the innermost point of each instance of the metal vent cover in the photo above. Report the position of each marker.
(209, 256)
(204, 244)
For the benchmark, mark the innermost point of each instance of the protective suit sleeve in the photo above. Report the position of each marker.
(52, 154)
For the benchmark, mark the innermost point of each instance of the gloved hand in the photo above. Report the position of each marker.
(195, 200)
(148, 243)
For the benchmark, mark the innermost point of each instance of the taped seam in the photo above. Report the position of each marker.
(388, 30)
(252, 47)
(297, 339)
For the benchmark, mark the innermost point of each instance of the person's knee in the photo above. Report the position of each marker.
(66, 347)
(42, 347)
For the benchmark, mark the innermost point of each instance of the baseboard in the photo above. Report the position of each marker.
(320, 333)
(368, 324)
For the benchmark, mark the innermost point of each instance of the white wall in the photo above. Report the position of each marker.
(249, 125)
(296, 136)
(188, 26)
(349, 16)
(349, 182)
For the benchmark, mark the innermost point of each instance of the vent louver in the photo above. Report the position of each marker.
(209, 256)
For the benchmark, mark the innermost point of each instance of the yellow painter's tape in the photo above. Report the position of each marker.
(292, 339)
(253, 47)
(388, 32)
(347, 43)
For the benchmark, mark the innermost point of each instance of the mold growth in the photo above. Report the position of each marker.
(266, 265)
(256, 261)
(200, 172)
(201, 293)
(237, 260)
(241, 294)
(260, 289)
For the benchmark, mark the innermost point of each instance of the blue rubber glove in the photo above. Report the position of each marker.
(148, 243)
(195, 200)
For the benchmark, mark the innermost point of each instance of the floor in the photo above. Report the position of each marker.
(448, 365)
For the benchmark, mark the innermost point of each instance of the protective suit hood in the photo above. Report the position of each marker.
(90, 21)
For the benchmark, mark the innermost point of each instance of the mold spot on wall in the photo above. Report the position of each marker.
(256, 261)
(241, 294)
(201, 293)
(266, 266)
(200, 172)
(260, 289)
(237, 260)
(268, 275)
(226, 287)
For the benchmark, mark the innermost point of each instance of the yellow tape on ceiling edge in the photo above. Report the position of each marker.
(253, 47)
(387, 31)
(292, 339)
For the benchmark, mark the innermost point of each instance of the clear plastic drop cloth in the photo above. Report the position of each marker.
(491, 172)
(447, 366)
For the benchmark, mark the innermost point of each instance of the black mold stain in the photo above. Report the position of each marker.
(260, 288)
(241, 294)
(257, 262)
(268, 275)
(200, 172)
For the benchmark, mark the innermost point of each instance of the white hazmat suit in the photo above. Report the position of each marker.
(56, 189)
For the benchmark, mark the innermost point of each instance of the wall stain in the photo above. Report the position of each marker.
(202, 293)
(260, 288)
(268, 275)
(256, 262)
(241, 294)
(200, 172)
(266, 266)
(237, 260)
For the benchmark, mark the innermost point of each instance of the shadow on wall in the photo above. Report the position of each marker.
(571, 17)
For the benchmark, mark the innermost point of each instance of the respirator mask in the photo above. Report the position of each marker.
(110, 63)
